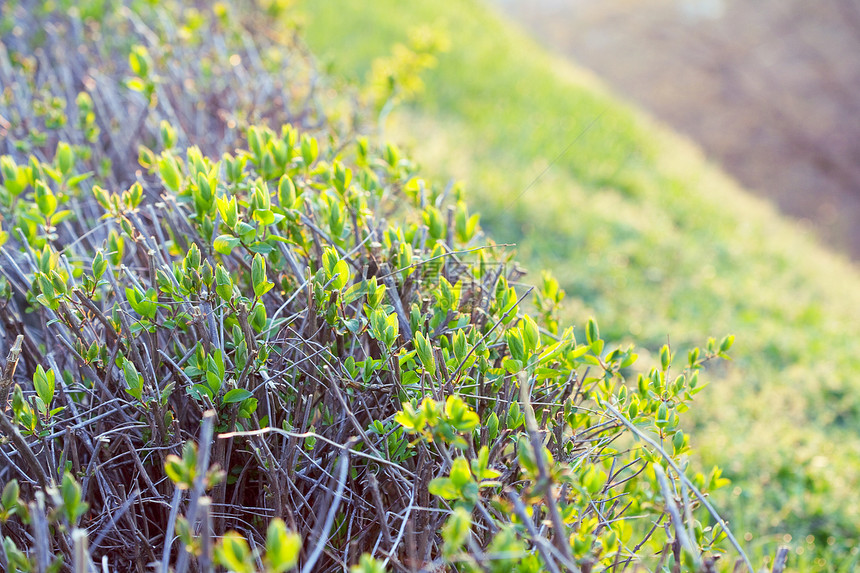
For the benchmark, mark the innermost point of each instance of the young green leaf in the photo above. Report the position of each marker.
(233, 553)
(592, 334)
(45, 199)
(726, 343)
(236, 395)
(225, 244)
(368, 564)
(168, 168)
(516, 347)
(282, 547)
(139, 61)
(73, 506)
(133, 380)
(665, 357)
(425, 352)
(259, 279)
(65, 157)
(44, 384)
(459, 415)
(223, 283)
(9, 498)
(456, 531)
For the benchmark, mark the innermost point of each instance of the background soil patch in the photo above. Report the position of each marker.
(769, 89)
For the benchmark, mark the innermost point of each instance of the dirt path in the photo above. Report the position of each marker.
(770, 89)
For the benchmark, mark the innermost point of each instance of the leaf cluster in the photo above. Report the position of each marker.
(279, 347)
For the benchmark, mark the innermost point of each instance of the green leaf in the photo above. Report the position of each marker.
(168, 168)
(175, 471)
(234, 554)
(9, 498)
(133, 380)
(236, 395)
(665, 357)
(229, 211)
(525, 455)
(531, 334)
(16, 559)
(286, 192)
(213, 381)
(444, 488)
(223, 283)
(480, 465)
(258, 276)
(678, 441)
(262, 248)
(592, 333)
(135, 84)
(368, 564)
(512, 366)
(593, 479)
(60, 216)
(282, 547)
(15, 178)
(225, 244)
(44, 384)
(200, 390)
(264, 216)
(71, 494)
(65, 157)
(258, 319)
(493, 426)
(456, 531)
(425, 353)
(78, 179)
(168, 134)
(341, 275)
(460, 472)
(310, 150)
(463, 418)
(45, 199)
(633, 410)
(409, 418)
(138, 61)
(662, 415)
(516, 347)
(102, 196)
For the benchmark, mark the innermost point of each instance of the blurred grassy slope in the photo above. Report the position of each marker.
(649, 238)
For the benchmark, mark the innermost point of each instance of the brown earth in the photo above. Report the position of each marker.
(770, 89)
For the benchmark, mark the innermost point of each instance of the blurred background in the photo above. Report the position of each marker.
(770, 89)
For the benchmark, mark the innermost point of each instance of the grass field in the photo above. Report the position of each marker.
(653, 241)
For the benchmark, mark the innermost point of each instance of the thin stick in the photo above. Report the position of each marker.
(26, 452)
(680, 530)
(701, 497)
(448, 254)
(346, 446)
(81, 559)
(483, 338)
(115, 516)
(781, 558)
(520, 510)
(204, 449)
(332, 513)
(544, 482)
(171, 525)
(9, 370)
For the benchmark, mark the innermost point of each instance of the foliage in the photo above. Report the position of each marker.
(642, 232)
(272, 345)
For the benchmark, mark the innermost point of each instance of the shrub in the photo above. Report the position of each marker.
(264, 349)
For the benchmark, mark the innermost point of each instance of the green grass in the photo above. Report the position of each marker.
(654, 242)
